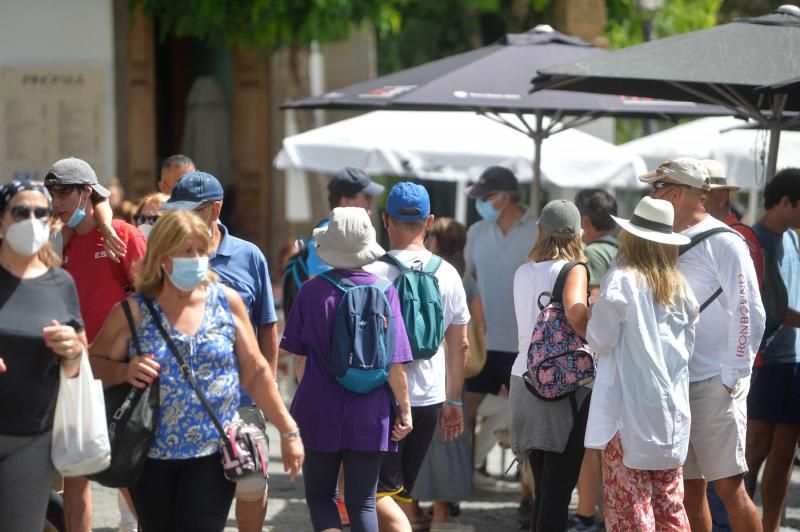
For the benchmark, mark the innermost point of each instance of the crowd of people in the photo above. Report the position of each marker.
(652, 362)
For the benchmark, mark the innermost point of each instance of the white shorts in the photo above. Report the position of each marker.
(253, 486)
(717, 438)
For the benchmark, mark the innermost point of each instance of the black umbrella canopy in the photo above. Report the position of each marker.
(790, 87)
(720, 65)
(495, 79)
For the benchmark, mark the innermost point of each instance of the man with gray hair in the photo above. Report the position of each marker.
(172, 169)
(718, 268)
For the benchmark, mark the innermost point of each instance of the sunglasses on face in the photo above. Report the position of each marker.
(141, 219)
(21, 212)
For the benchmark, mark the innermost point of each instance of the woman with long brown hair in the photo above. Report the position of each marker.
(642, 331)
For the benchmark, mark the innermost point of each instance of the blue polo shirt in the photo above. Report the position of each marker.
(241, 266)
(493, 257)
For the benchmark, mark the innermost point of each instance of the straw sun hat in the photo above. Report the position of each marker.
(348, 242)
(652, 220)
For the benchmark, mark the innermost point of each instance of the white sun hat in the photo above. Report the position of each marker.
(348, 242)
(716, 175)
(652, 220)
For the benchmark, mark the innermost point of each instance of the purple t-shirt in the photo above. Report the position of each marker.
(332, 418)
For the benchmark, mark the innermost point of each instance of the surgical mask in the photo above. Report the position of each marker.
(145, 229)
(28, 236)
(187, 272)
(487, 210)
(77, 215)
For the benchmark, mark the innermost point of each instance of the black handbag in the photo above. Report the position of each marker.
(132, 415)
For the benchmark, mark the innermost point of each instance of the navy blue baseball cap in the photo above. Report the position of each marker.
(408, 202)
(350, 181)
(192, 190)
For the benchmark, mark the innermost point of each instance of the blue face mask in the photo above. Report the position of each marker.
(188, 272)
(487, 210)
(77, 215)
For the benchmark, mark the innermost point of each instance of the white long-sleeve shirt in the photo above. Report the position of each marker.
(642, 385)
(730, 328)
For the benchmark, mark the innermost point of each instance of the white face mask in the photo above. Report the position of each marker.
(145, 229)
(28, 236)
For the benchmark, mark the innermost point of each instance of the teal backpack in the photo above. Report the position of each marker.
(420, 305)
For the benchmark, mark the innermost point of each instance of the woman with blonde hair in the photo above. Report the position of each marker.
(182, 486)
(642, 331)
(550, 433)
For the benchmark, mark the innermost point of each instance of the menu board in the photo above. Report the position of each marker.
(49, 114)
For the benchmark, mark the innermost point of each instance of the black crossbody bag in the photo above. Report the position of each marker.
(132, 416)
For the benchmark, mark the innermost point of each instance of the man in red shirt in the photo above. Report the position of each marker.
(101, 282)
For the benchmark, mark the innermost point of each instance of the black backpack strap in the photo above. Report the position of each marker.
(185, 370)
(699, 237)
(711, 299)
(126, 308)
(558, 288)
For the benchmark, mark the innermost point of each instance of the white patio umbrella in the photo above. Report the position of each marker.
(742, 151)
(455, 146)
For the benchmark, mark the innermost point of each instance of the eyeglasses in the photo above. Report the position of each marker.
(141, 219)
(21, 212)
(658, 185)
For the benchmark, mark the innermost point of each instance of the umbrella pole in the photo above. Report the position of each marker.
(536, 182)
(778, 103)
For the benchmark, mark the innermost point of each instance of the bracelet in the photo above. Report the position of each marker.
(454, 403)
(291, 434)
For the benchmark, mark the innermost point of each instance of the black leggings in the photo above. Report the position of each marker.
(555, 476)
(183, 495)
(321, 474)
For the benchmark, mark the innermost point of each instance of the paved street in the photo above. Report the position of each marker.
(492, 509)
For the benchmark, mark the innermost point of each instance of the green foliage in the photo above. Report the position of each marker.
(269, 24)
(626, 22)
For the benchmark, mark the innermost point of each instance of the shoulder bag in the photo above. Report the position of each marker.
(132, 415)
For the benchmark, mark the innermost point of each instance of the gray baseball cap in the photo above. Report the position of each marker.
(74, 171)
(684, 170)
(560, 219)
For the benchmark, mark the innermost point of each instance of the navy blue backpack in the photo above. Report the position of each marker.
(362, 346)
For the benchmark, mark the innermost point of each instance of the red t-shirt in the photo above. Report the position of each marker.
(101, 282)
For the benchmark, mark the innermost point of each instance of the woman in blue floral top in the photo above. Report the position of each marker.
(182, 486)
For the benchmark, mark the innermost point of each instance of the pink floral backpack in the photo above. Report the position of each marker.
(559, 360)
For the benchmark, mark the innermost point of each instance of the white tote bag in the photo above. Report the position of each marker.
(80, 433)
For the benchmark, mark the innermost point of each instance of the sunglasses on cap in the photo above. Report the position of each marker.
(658, 185)
(140, 219)
(21, 212)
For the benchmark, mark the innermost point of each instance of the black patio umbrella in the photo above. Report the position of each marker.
(493, 80)
(721, 65)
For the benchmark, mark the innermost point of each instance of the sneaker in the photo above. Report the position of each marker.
(576, 524)
(524, 514)
(451, 526)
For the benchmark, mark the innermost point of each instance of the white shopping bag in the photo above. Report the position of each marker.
(80, 434)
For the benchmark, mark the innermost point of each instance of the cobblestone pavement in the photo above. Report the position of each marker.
(493, 508)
